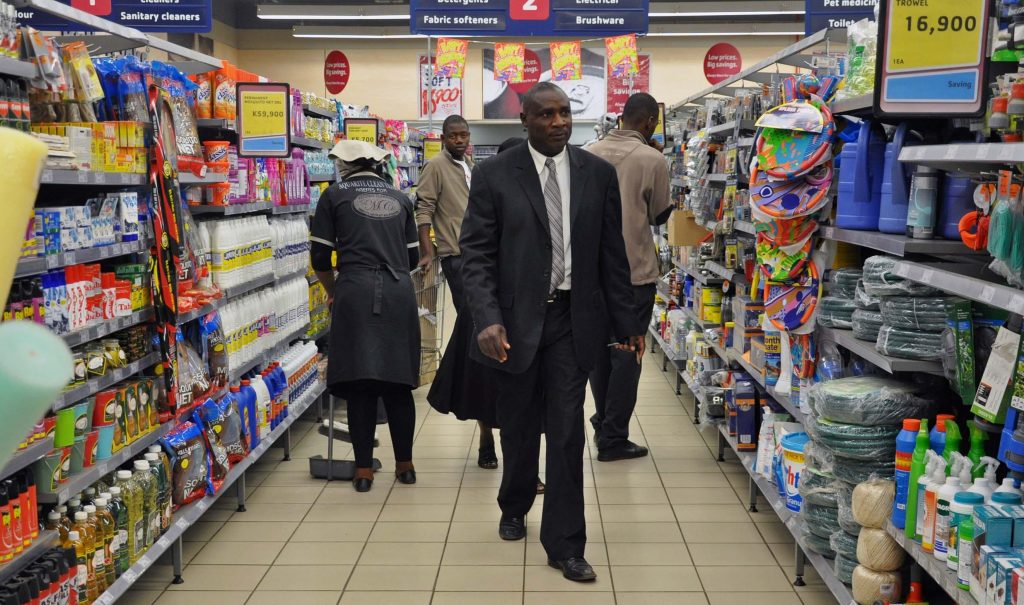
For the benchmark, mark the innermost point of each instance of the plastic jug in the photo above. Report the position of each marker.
(892, 214)
(860, 178)
(955, 201)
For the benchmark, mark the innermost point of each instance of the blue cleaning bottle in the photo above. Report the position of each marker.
(906, 440)
(282, 381)
(247, 404)
(937, 436)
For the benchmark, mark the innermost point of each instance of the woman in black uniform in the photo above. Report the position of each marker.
(375, 334)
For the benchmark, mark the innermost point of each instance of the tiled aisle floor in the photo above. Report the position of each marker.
(671, 528)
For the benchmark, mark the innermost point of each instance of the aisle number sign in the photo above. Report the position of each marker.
(361, 129)
(933, 57)
(431, 147)
(263, 119)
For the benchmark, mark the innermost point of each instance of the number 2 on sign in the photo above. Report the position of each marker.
(530, 10)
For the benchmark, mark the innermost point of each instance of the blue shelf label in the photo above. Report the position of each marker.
(181, 16)
(836, 14)
(524, 18)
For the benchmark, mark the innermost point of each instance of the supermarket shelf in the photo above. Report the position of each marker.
(310, 143)
(696, 389)
(663, 290)
(86, 177)
(745, 227)
(231, 210)
(323, 178)
(24, 458)
(312, 279)
(41, 264)
(18, 69)
(964, 157)
(47, 540)
(217, 123)
(671, 355)
(112, 377)
(730, 127)
(73, 339)
(678, 182)
(783, 400)
(942, 276)
(291, 209)
(188, 515)
(945, 578)
(692, 316)
(408, 165)
(91, 475)
(268, 356)
(845, 339)
(792, 521)
(318, 335)
(288, 276)
(856, 105)
(725, 273)
(320, 113)
(718, 178)
(211, 178)
(899, 245)
(695, 274)
(228, 295)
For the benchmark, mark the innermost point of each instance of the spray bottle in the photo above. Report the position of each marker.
(917, 471)
(986, 484)
(944, 501)
(928, 490)
(978, 438)
(952, 443)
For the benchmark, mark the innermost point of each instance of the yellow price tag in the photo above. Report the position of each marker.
(935, 34)
(431, 147)
(266, 113)
(361, 129)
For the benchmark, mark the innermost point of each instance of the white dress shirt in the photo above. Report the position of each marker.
(562, 168)
(465, 168)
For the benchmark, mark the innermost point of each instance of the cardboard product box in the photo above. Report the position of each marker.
(746, 417)
(683, 230)
(993, 534)
(1000, 589)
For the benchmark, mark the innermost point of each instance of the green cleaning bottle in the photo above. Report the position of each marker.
(916, 470)
(978, 439)
(953, 439)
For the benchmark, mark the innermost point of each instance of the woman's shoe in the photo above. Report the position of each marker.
(540, 486)
(405, 473)
(487, 458)
(363, 480)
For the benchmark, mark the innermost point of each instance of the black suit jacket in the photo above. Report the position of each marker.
(506, 256)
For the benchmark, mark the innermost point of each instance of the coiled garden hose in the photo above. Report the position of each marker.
(909, 344)
(844, 282)
(816, 543)
(863, 300)
(844, 567)
(858, 471)
(880, 279)
(844, 544)
(835, 312)
(821, 520)
(867, 401)
(852, 441)
(866, 324)
(919, 313)
(818, 489)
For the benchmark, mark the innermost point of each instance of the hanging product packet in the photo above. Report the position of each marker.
(189, 147)
(190, 461)
(214, 349)
(210, 417)
(233, 432)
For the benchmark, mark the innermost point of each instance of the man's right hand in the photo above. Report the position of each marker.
(493, 342)
(425, 260)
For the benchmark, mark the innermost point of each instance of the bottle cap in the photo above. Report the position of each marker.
(89, 509)
(940, 421)
(105, 496)
(911, 424)
(62, 509)
(53, 515)
(115, 491)
(236, 389)
(75, 502)
(124, 474)
(141, 465)
(73, 535)
(151, 458)
(81, 516)
(246, 383)
(100, 503)
(154, 449)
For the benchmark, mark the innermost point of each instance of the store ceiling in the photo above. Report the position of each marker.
(720, 15)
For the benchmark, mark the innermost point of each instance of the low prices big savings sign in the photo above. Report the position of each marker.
(440, 97)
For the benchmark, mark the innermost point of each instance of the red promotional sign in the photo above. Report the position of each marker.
(336, 72)
(531, 73)
(722, 62)
(100, 8)
(620, 87)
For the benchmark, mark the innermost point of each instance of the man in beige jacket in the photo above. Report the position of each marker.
(644, 189)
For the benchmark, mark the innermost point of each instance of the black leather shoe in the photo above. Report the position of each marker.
(575, 568)
(407, 477)
(362, 484)
(626, 451)
(512, 528)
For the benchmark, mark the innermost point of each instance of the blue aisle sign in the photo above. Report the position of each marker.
(155, 16)
(826, 14)
(522, 18)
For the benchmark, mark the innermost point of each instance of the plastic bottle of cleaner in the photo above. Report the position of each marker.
(262, 405)
(952, 443)
(150, 512)
(119, 511)
(917, 471)
(247, 404)
(943, 501)
(962, 510)
(107, 524)
(937, 436)
(927, 499)
(986, 484)
(978, 438)
(1009, 485)
(905, 442)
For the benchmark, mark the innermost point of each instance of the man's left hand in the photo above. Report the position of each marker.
(636, 344)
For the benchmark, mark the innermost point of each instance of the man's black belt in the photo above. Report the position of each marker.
(560, 296)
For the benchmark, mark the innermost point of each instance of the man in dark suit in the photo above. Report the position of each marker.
(544, 270)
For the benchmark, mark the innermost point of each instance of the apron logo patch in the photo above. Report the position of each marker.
(376, 206)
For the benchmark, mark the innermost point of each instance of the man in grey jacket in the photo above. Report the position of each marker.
(644, 189)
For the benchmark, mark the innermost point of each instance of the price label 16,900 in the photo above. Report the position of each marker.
(930, 34)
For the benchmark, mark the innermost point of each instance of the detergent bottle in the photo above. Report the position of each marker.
(937, 436)
(906, 441)
(927, 495)
(1009, 485)
(943, 502)
(917, 471)
(986, 484)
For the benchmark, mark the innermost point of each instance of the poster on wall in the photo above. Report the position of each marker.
(503, 101)
(722, 62)
(336, 72)
(621, 87)
(443, 95)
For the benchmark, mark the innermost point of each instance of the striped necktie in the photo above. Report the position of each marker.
(553, 201)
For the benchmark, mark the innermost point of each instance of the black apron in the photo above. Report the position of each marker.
(375, 332)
